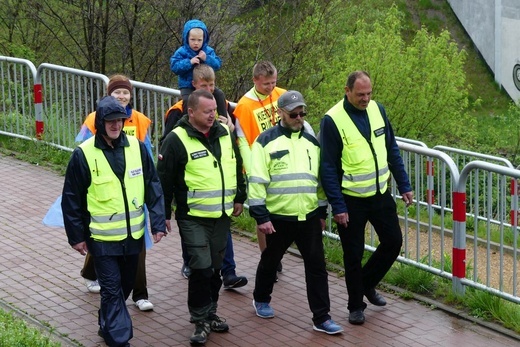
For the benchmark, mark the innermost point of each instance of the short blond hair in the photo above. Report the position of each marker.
(264, 68)
(203, 72)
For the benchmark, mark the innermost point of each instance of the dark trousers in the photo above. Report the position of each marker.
(205, 240)
(140, 290)
(228, 264)
(116, 276)
(308, 237)
(380, 210)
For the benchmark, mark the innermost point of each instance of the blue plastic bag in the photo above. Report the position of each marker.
(54, 218)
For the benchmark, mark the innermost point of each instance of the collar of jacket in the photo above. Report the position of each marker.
(351, 110)
(288, 132)
(216, 129)
(121, 141)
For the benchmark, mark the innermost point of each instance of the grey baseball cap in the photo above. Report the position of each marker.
(290, 100)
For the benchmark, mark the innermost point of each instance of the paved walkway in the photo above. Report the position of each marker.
(39, 275)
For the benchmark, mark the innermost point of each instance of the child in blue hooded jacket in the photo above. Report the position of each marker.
(195, 50)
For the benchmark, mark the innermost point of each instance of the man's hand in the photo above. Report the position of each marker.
(157, 237)
(168, 226)
(81, 247)
(323, 224)
(407, 198)
(266, 228)
(237, 209)
(341, 219)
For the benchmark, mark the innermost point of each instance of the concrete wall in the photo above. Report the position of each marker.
(494, 27)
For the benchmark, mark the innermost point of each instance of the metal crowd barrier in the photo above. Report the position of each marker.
(18, 91)
(50, 103)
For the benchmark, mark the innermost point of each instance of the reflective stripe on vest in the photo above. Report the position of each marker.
(285, 175)
(110, 215)
(361, 171)
(212, 186)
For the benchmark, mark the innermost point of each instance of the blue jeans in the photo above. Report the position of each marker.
(228, 265)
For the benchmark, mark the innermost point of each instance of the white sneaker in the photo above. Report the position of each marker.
(92, 286)
(144, 305)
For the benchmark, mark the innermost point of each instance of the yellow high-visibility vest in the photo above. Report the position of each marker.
(113, 207)
(212, 186)
(284, 176)
(364, 171)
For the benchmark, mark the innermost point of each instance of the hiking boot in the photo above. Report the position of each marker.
(217, 324)
(263, 309)
(200, 335)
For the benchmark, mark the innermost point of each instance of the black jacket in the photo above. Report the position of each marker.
(74, 199)
(172, 164)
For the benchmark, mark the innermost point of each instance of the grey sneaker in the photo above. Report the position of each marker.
(217, 324)
(200, 335)
(185, 271)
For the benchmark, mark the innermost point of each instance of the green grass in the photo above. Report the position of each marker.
(487, 306)
(33, 152)
(15, 332)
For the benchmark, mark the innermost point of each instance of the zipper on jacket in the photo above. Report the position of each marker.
(310, 161)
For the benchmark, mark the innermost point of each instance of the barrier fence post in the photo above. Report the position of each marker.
(459, 241)
(38, 110)
(513, 214)
(430, 189)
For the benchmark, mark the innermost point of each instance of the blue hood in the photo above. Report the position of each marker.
(194, 23)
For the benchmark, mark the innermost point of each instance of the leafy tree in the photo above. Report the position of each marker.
(314, 44)
(421, 84)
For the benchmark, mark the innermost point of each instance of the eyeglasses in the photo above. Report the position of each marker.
(294, 115)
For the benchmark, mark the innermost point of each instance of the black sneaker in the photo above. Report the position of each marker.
(375, 298)
(234, 281)
(279, 268)
(217, 324)
(200, 335)
(356, 317)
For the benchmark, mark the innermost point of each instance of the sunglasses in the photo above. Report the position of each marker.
(294, 115)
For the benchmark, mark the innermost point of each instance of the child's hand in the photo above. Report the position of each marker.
(195, 60)
(202, 55)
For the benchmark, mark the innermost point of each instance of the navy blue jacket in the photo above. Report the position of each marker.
(331, 172)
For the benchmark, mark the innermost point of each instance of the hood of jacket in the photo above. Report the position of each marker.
(194, 23)
(108, 108)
